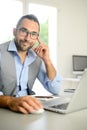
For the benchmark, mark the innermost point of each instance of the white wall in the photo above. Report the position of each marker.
(72, 33)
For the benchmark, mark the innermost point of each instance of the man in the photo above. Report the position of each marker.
(21, 63)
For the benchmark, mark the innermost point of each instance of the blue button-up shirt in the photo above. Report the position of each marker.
(52, 86)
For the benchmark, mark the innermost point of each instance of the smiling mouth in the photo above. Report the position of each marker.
(27, 44)
(24, 42)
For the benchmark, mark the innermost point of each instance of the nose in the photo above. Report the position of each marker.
(28, 37)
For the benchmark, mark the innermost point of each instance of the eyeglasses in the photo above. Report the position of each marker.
(24, 32)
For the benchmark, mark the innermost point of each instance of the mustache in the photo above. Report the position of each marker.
(24, 41)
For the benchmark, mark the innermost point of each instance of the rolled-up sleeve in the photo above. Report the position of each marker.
(1, 93)
(53, 86)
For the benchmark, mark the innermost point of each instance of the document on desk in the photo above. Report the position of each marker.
(47, 98)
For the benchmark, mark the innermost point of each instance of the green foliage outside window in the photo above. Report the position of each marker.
(44, 32)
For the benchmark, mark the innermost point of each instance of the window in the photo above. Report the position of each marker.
(47, 16)
(10, 12)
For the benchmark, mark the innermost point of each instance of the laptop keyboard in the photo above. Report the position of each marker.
(61, 106)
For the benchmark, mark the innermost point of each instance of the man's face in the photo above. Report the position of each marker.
(26, 34)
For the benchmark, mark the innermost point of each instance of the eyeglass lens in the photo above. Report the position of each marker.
(25, 32)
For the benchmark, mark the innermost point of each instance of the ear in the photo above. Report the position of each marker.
(14, 31)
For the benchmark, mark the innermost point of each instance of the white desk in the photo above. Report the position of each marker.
(47, 121)
(72, 79)
(70, 83)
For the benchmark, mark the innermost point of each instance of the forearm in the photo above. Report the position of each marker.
(51, 72)
(4, 101)
(53, 86)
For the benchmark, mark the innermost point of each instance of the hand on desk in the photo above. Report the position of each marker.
(25, 104)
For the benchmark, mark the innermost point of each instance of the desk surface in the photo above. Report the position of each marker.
(47, 121)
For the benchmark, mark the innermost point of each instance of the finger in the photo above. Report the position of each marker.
(32, 102)
(38, 49)
(26, 108)
(22, 110)
(39, 40)
(35, 104)
(39, 104)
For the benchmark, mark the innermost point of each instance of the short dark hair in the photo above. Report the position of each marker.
(30, 17)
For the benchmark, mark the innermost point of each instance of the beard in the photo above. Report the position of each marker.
(23, 45)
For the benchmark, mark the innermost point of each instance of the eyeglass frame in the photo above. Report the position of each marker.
(24, 30)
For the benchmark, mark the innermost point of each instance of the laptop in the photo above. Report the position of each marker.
(68, 105)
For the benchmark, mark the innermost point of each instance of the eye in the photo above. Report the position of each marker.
(34, 34)
(23, 29)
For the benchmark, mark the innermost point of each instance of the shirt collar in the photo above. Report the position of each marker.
(12, 47)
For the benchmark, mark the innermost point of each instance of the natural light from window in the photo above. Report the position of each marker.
(49, 13)
(10, 12)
